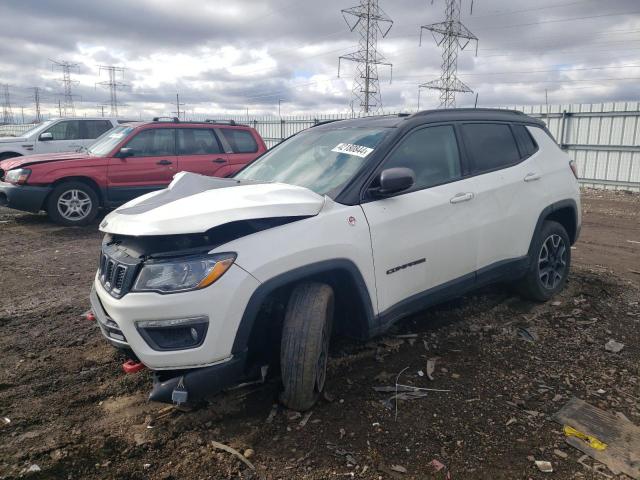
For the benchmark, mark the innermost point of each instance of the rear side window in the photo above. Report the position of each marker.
(490, 145)
(241, 141)
(432, 154)
(197, 141)
(95, 128)
(525, 142)
(153, 143)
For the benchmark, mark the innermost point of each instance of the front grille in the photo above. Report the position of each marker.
(116, 271)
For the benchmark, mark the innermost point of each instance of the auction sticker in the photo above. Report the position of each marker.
(351, 149)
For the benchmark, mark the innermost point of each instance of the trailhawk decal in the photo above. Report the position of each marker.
(351, 149)
(406, 265)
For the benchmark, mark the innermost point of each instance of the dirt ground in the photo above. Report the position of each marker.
(74, 414)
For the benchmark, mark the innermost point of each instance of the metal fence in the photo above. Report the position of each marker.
(14, 130)
(603, 138)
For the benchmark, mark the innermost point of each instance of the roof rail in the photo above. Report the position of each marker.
(221, 122)
(166, 119)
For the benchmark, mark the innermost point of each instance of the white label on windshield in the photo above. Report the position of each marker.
(351, 149)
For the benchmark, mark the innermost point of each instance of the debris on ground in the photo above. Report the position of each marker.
(305, 419)
(438, 466)
(605, 437)
(613, 346)
(398, 468)
(544, 466)
(431, 367)
(233, 451)
(529, 334)
(559, 453)
(272, 413)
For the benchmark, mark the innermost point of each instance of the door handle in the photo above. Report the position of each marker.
(532, 176)
(164, 162)
(462, 197)
(219, 160)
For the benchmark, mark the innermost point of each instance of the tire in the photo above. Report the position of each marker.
(305, 344)
(81, 202)
(4, 156)
(550, 263)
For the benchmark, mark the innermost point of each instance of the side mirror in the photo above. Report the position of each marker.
(394, 180)
(44, 137)
(125, 152)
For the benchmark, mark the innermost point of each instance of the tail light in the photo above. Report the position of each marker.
(574, 168)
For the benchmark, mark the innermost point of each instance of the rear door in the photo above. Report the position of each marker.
(241, 146)
(199, 151)
(67, 137)
(425, 237)
(151, 167)
(92, 129)
(508, 196)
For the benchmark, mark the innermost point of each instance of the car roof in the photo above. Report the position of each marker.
(435, 116)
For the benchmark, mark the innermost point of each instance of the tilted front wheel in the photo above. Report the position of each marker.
(305, 344)
(550, 263)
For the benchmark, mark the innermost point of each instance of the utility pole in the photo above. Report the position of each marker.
(36, 101)
(59, 109)
(7, 112)
(178, 105)
(113, 85)
(101, 108)
(69, 108)
(452, 36)
(370, 21)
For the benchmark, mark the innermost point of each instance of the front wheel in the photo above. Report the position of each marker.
(550, 263)
(305, 344)
(73, 203)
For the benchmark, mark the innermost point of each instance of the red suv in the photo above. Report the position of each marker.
(126, 162)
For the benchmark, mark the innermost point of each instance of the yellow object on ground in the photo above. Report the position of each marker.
(592, 441)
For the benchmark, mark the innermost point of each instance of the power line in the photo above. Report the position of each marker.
(557, 20)
(370, 21)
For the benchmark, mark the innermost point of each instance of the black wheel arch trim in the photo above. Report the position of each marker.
(258, 297)
(554, 207)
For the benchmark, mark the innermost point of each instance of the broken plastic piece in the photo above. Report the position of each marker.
(131, 366)
(90, 316)
(180, 394)
(592, 441)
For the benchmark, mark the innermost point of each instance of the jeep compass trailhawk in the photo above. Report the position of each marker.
(345, 227)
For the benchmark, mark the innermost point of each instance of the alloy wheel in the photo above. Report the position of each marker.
(552, 261)
(74, 205)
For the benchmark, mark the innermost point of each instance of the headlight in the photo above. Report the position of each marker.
(180, 276)
(17, 175)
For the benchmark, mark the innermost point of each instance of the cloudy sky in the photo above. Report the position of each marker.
(230, 56)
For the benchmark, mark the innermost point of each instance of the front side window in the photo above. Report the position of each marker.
(318, 159)
(241, 141)
(197, 141)
(432, 154)
(154, 142)
(490, 145)
(95, 128)
(65, 130)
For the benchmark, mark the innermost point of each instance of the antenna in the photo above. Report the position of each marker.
(7, 112)
(68, 107)
(178, 105)
(369, 20)
(113, 85)
(452, 36)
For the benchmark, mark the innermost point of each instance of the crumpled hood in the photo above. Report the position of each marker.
(12, 139)
(26, 160)
(195, 203)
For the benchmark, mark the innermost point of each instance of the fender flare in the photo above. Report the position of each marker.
(307, 271)
(549, 210)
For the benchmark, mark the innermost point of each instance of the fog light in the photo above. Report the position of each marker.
(174, 334)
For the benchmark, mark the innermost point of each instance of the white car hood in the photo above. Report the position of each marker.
(12, 139)
(195, 203)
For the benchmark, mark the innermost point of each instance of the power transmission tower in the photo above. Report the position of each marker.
(452, 36)
(370, 21)
(178, 105)
(68, 107)
(113, 85)
(7, 112)
(36, 101)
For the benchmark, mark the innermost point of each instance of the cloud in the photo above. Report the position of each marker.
(229, 56)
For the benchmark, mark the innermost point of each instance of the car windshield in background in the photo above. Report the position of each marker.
(107, 142)
(39, 126)
(318, 159)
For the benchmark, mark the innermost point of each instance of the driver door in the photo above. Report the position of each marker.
(66, 137)
(423, 238)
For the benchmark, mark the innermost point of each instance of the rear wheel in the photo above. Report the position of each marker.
(73, 203)
(550, 263)
(305, 344)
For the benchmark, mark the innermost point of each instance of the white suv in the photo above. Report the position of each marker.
(54, 136)
(345, 227)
